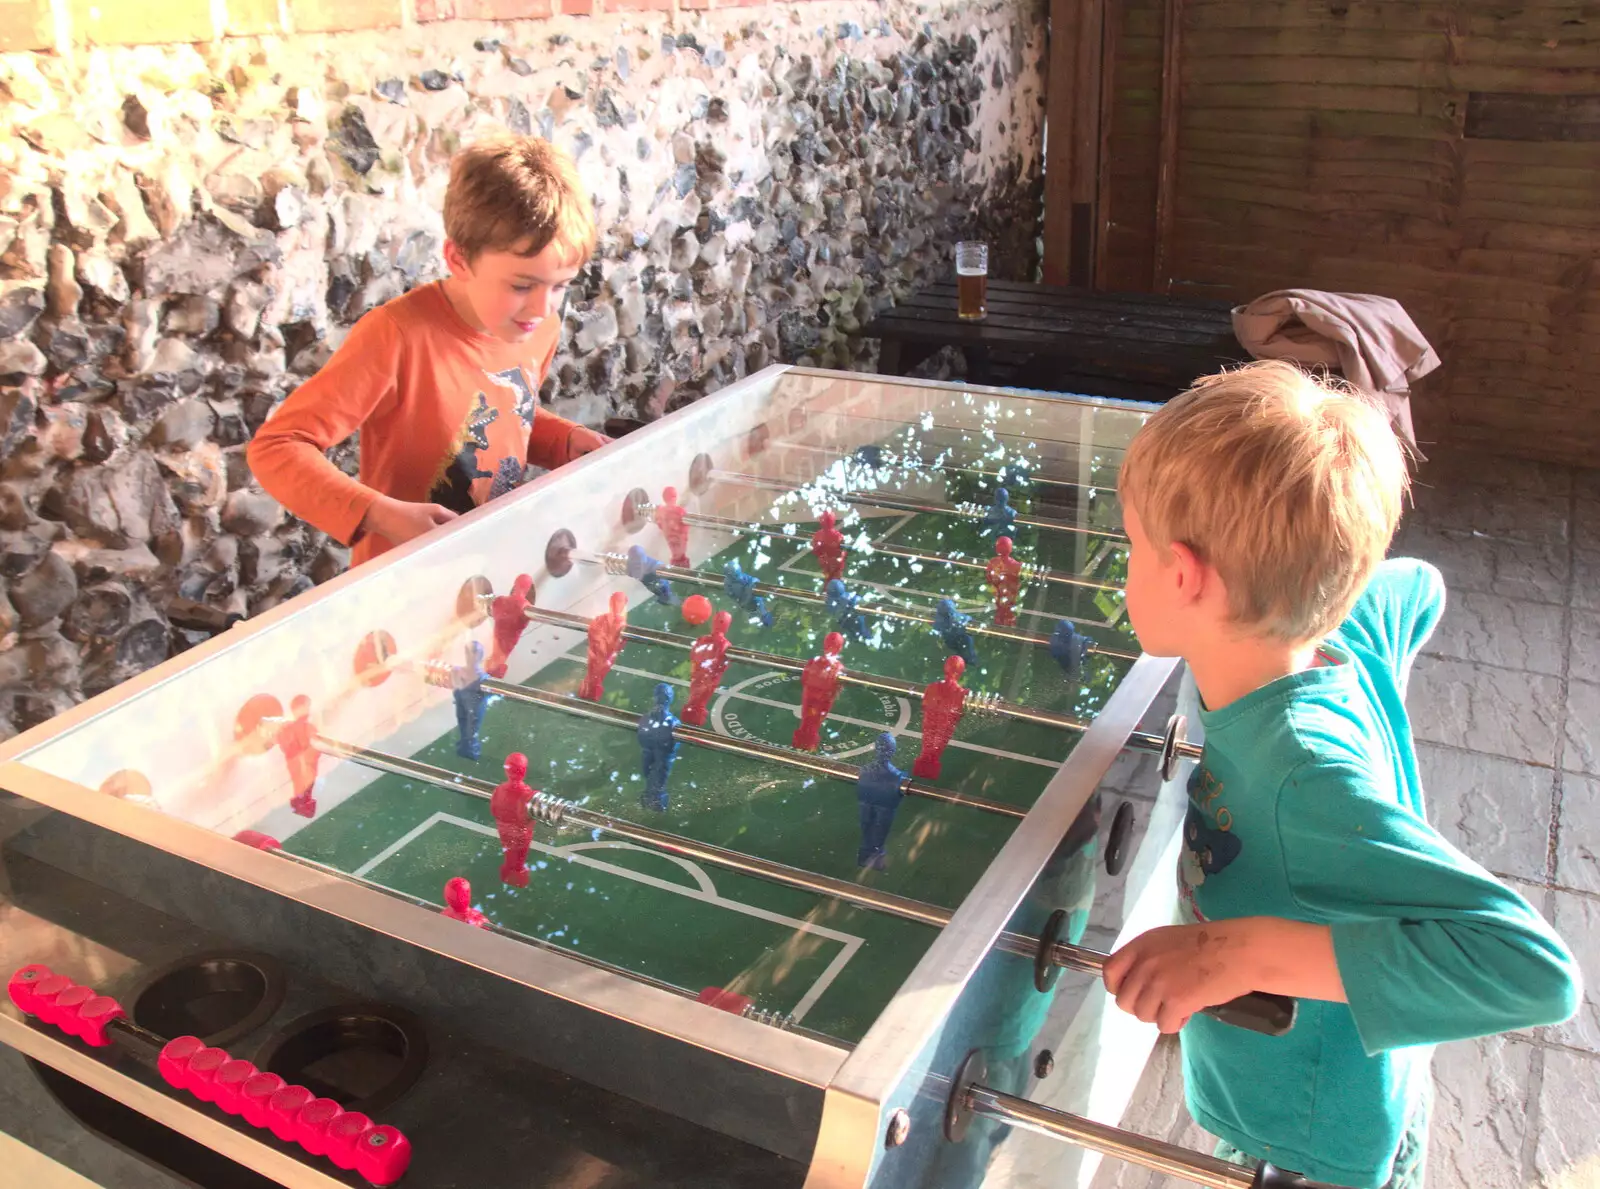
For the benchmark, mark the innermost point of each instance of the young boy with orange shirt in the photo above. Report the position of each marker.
(443, 381)
(1259, 506)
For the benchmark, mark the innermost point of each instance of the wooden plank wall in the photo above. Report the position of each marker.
(1327, 144)
(1128, 244)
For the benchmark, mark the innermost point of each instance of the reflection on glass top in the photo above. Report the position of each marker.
(335, 727)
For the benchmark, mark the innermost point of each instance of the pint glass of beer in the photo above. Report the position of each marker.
(972, 279)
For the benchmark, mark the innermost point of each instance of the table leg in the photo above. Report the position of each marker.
(978, 364)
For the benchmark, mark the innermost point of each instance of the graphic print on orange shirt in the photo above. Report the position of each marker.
(489, 455)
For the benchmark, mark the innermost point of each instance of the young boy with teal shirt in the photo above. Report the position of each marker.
(1259, 506)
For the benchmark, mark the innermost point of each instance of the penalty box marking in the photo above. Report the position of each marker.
(704, 891)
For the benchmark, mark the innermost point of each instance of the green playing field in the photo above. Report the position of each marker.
(833, 966)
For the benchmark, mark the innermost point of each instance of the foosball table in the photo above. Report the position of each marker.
(736, 805)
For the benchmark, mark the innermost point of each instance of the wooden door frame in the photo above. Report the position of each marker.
(1080, 88)
(1073, 140)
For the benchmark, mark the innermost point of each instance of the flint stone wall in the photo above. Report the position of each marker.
(186, 232)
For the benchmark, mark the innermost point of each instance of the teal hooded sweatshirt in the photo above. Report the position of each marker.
(1307, 806)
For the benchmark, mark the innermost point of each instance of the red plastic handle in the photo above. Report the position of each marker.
(321, 1126)
(292, 1113)
(57, 1000)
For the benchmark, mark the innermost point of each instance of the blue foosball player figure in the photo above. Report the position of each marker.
(466, 687)
(658, 747)
(871, 456)
(642, 568)
(842, 605)
(950, 626)
(878, 789)
(1069, 646)
(1000, 519)
(741, 588)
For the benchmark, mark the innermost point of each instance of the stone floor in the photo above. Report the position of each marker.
(1505, 702)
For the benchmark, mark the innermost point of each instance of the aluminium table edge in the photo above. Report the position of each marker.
(798, 1058)
(1116, 403)
(889, 1064)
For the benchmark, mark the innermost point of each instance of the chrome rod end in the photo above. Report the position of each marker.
(958, 1112)
(1171, 741)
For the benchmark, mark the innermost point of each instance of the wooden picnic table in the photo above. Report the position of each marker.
(1137, 346)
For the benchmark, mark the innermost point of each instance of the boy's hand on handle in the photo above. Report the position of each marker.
(1166, 975)
(397, 521)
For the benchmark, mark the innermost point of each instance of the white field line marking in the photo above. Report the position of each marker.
(395, 847)
(855, 722)
(757, 680)
(704, 891)
(901, 593)
(825, 980)
(692, 869)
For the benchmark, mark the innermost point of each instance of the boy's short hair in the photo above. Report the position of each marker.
(1288, 484)
(518, 194)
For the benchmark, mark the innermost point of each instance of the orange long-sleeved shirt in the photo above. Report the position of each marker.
(448, 415)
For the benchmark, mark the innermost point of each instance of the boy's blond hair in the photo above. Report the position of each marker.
(1289, 485)
(518, 194)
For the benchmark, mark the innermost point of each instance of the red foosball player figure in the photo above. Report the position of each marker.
(605, 641)
(819, 685)
(458, 903)
(725, 1000)
(1005, 578)
(708, 661)
(943, 704)
(295, 741)
(827, 546)
(258, 840)
(509, 805)
(510, 615)
(669, 519)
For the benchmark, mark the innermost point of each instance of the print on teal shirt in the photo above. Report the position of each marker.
(1209, 844)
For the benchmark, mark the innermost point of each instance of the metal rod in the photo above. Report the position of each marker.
(780, 873)
(910, 462)
(617, 564)
(1141, 740)
(1110, 1141)
(805, 761)
(333, 747)
(423, 902)
(794, 877)
(961, 431)
(894, 503)
(1029, 572)
(883, 499)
